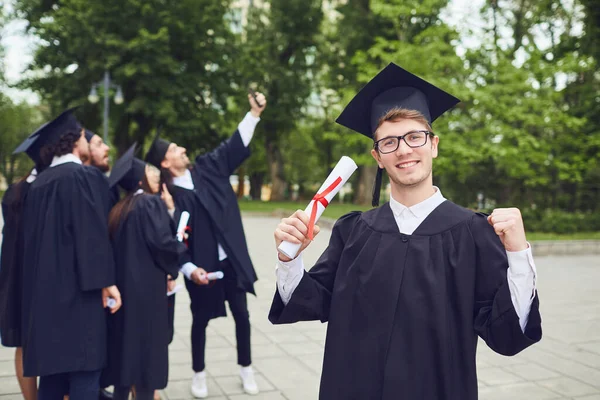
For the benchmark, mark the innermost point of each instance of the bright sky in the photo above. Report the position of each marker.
(19, 47)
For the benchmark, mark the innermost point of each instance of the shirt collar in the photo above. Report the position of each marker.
(419, 210)
(70, 157)
(32, 176)
(185, 181)
(138, 192)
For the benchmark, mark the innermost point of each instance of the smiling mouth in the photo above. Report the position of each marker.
(406, 165)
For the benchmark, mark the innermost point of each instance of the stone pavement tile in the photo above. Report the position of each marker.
(566, 367)
(287, 373)
(531, 372)
(261, 396)
(570, 352)
(519, 391)
(181, 390)
(296, 349)
(284, 337)
(7, 368)
(302, 393)
(568, 387)
(9, 385)
(497, 376)
(267, 351)
(593, 347)
(180, 372)
(582, 331)
(215, 341)
(592, 397)
(218, 354)
(317, 335)
(222, 368)
(313, 361)
(180, 357)
(490, 358)
(11, 397)
(233, 385)
(7, 353)
(178, 344)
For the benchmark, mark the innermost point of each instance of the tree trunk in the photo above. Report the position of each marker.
(275, 161)
(364, 189)
(256, 183)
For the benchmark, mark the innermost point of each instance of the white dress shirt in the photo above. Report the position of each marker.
(521, 271)
(246, 128)
(70, 157)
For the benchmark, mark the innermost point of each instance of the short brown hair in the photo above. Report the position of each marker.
(397, 114)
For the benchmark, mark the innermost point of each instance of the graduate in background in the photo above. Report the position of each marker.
(217, 240)
(407, 287)
(68, 269)
(146, 251)
(11, 264)
(99, 158)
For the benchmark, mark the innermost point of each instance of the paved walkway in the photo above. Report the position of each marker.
(287, 359)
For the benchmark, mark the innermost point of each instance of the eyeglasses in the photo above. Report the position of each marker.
(412, 139)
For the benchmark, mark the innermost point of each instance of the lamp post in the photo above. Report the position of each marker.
(93, 98)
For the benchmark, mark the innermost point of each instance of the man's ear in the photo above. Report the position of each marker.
(165, 163)
(377, 158)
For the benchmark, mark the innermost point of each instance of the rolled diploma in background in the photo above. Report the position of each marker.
(183, 220)
(344, 169)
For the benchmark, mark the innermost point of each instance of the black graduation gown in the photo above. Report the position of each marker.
(67, 261)
(215, 218)
(404, 311)
(11, 264)
(145, 250)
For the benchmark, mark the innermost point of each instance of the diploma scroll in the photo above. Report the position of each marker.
(183, 221)
(332, 185)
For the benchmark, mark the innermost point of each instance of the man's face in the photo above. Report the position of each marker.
(99, 153)
(406, 167)
(176, 158)
(83, 148)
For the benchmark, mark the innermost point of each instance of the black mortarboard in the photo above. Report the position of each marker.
(89, 135)
(51, 132)
(28, 146)
(128, 171)
(393, 87)
(158, 149)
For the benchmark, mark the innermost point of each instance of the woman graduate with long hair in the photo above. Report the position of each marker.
(146, 252)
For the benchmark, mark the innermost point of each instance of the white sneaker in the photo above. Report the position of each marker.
(248, 381)
(199, 389)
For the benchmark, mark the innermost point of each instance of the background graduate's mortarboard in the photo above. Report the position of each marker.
(128, 171)
(51, 132)
(89, 135)
(157, 151)
(32, 150)
(393, 87)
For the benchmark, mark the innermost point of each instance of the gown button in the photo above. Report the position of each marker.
(404, 239)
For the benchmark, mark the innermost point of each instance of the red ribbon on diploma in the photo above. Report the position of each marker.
(320, 198)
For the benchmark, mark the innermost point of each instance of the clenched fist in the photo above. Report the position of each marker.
(508, 224)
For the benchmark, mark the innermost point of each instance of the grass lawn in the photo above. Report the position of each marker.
(336, 210)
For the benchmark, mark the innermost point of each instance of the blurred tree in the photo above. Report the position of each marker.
(172, 59)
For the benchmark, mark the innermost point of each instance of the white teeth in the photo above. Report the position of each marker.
(407, 165)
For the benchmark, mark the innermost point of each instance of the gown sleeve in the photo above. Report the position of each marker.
(157, 225)
(95, 264)
(311, 300)
(495, 318)
(227, 157)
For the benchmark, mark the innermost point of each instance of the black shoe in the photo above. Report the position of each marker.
(105, 395)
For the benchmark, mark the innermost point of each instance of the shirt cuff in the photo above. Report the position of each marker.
(247, 127)
(187, 269)
(521, 262)
(172, 213)
(289, 274)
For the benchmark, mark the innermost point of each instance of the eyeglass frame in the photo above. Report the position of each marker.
(427, 134)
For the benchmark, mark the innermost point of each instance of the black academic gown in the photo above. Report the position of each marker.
(67, 261)
(146, 250)
(11, 264)
(405, 311)
(215, 218)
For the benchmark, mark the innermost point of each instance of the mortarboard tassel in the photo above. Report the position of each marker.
(377, 187)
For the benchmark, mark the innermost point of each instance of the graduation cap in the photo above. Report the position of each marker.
(32, 151)
(51, 132)
(393, 87)
(158, 149)
(128, 171)
(89, 135)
